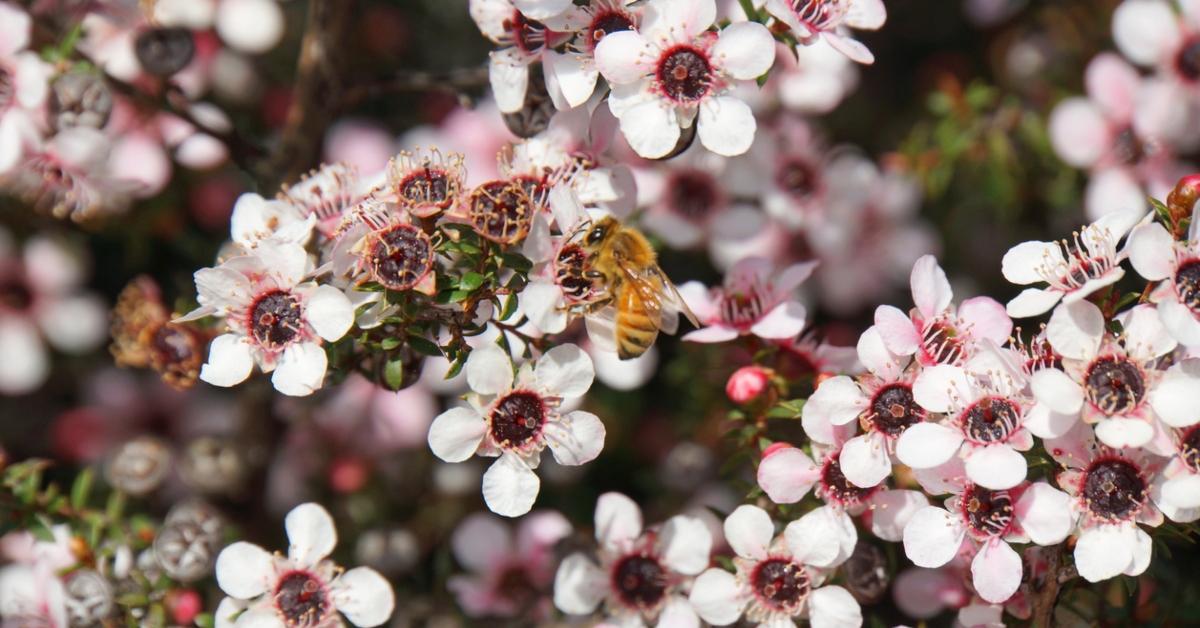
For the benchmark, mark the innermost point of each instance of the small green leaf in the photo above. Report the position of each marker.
(510, 307)
(456, 367)
(393, 374)
(423, 345)
(82, 488)
(457, 296)
(389, 343)
(516, 261)
(471, 281)
(204, 620)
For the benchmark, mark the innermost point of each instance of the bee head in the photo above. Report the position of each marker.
(599, 231)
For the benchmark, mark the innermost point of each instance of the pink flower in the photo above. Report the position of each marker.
(1156, 256)
(1153, 33)
(747, 383)
(23, 86)
(934, 332)
(1176, 491)
(752, 300)
(69, 176)
(812, 79)
(506, 576)
(813, 19)
(674, 72)
(525, 42)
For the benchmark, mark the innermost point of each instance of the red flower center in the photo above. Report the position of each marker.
(639, 581)
(517, 418)
(685, 74)
(989, 513)
(780, 584)
(275, 319)
(301, 599)
(991, 420)
(1114, 385)
(894, 410)
(1114, 489)
(401, 256)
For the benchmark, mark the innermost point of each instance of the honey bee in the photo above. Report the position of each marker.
(623, 268)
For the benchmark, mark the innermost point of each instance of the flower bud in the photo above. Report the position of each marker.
(184, 605)
(1182, 199)
(140, 465)
(747, 383)
(164, 51)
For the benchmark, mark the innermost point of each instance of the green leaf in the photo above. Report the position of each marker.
(204, 620)
(510, 307)
(82, 488)
(456, 367)
(516, 261)
(389, 343)
(424, 345)
(471, 281)
(457, 296)
(393, 374)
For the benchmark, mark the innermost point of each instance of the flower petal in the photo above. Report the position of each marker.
(716, 597)
(726, 125)
(685, 544)
(1021, 263)
(576, 75)
(1104, 551)
(892, 510)
(837, 400)
(618, 520)
(1057, 390)
(1078, 132)
(1045, 514)
(575, 439)
(1032, 302)
(749, 530)
(1145, 31)
(930, 289)
(364, 597)
(927, 445)
(897, 330)
(940, 387)
(455, 434)
(932, 537)
(229, 361)
(787, 475)
(579, 585)
(996, 571)
(984, 317)
(1152, 251)
(509, 486)
(509, 78)
(300, 370)
(489, 370)
(824, 537)
(311, 534)
(1075, 330)
(833, 607)
(744, 50)
(785, 320)
(565, 371)
(650, 127)
(864, 460)
(997, 467)
(244, 570)
(329, 312)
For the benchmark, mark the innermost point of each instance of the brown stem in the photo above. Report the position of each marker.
(1046, 596)
(318, 82)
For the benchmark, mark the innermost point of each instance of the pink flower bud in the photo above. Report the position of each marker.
(747, 383)
(348, 474)
(185, 604)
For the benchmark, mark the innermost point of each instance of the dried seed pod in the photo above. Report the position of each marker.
(164, 51)
(88, 598)
(501, 210)
(866, 573)
(140, 465)
(80, 99)
(213, 465)
(185, 551)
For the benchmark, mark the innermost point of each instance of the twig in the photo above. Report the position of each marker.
(1047, 596)
(456, 81)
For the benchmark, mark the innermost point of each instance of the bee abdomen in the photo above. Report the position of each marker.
(635, 333)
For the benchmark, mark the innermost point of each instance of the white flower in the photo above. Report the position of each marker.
(1152, 33)
(755, 299)
(255, 219)
(516, 418)
(275, 318)
(525, 41)
(674, 70)
(31, 595)
(507, 572)
(1176, 491)
(304, 588)
(1073, 269)
(1156, 256)
(1119, 384)
(643, 574)
(775, 581)
(828, 19)
(23, 86)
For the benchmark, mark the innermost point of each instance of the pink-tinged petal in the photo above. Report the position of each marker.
(244, 570)
(508, 74)
(229, 361)
(624, 57)
(749, 530)
(864, 460)
(685, 544)
(712, 334)
(932, 537)
(650, 127)
(1075, 330)
(984, 317)
(1174, 398)
(1105, 551)
(76, 323)
(577, 438)
(329, 312)
(784, 321)
(678, 612)
(726, 125)
(787, 475)
(300, 370)
(364, 597)
(1144, 336)
(1043, 422)
(541, 301)
(852, 48)
(667, 21)
(1145, 31)
(1113, 190)
(481, 542)
(1112, 83)
(1182, 491)
(997, 467)
(579, 585)
(744, 50)
(311, 534)
(1121, 432)
(940, 387)
(250, 26)
(897, 330)
(489, 370)
(15, 26)
(792, 276)
(924, 593)
(996, 571)
(1142, 550)
(455, 434)
(930, 289)
(838, 400)
(833, 607)
(541, 9)
(949, 477)
(716, 597)
(823, 537)
(927, 445)
(541, 530)
(1057, 391)
(565, 371)
(618, 520)
(1045, 514)
(509, 486)
(1179, 320)
(1021, 263)
(1032, 302)
(699, 299)
(1152, 251)
(139, 158)
(867, 15)
(891, 511)
(28, 364)
(873, 353)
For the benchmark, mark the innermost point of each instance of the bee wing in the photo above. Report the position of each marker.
(677, 302)
(645, 284)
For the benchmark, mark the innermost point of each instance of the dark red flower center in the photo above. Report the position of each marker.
(569, 273)
(991, 420)
(401, 256)
(942, 343)
(516, 586)
(302, 599)
(275, 319)
(639, 581)
(517, 418)
(528, 35)
(988, 512)
(798, 178)
(1114, 385)
(1189, 448)
(694, 194)
(426, 186)
(15, 293)
(502, 210)
(685, 74)
(605, 22)
(1114, 489)
(837, 488)
(780, 584)
(1187, 284)
(894, 410)
(1187, 61)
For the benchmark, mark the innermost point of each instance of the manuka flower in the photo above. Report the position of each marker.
(514, 418)
(1156, 256)
(829, 19)
(754, 300)
(304, 588)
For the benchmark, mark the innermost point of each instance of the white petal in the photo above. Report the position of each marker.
(787, 475)
(244, 570)
(997, 467)
(575, 439)
(251, 26)
(823, 537)
(1142, 548)
(852, 48)
(927, 445)
(866, 14)
(1145, 30)
(1079, 132)
(837, 400)
(897, 330)
(1183, 491)
(565, 371)
(1174, 398)
(1045, 514)
(685, 543)
(624, 57)
(1075, 330)
(364, 597)
(481, 542)
(329, 312)
(716, 597)
(456, 433)
(744, 50)
(541, 301)
(489, 370)
(874, 354)
(579, 585)
(939, 387)
(650, 127)
(833, 607)
(618, 520)
(1032, 302)
(541, 9)
(576, 76)
(509, 486)
(301, 369)
(259, 617)
(726, 125)
(678, 613)
(509, 77)
(892, 510)
(74, 323)
(311, 534)
(1104, 551)
(996, 571)
(1021, 262)
(748, 529)
(1145, 338)
(930, 288)
(784, 321)
(1043, 422)
(1121, 432)
(1152, 251)
(865, 461)
(1057, 390)
(932, 537)
(26, 365)
(229, 361)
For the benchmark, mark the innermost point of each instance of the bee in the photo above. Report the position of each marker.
(623, 268)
